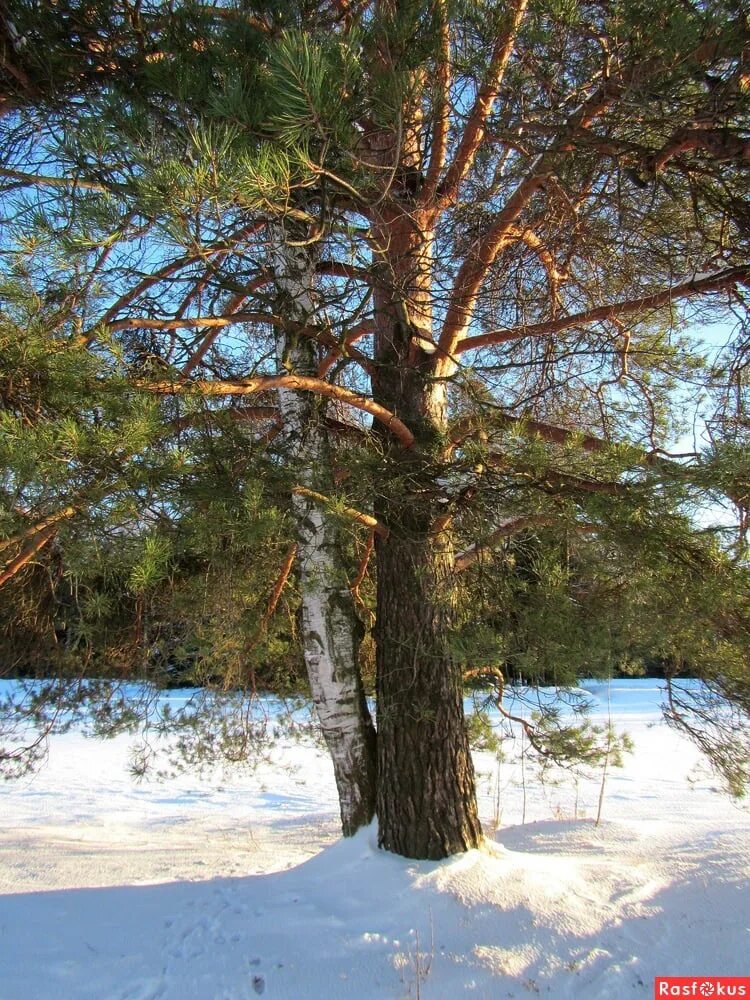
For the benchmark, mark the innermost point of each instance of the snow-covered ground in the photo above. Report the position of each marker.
(229, 887)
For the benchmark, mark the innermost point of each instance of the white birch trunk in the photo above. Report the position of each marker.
(329, 623)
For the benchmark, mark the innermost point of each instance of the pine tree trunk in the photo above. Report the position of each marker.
(426, 800)
(426, 797)
(330, 627)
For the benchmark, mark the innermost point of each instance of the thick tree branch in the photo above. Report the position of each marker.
(218, 323)
(252, 414)
(552, 480)
(40, 180)
(474, 270)
(339, 269)
(301, 383)
(475, 127)
(27, 553)
(356, 333)
(472, 425)
(721, 144)
(688, 288)
(441, 112)
(180, 323)
(48, 522)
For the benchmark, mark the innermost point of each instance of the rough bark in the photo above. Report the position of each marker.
(426, 796)
(330, 628)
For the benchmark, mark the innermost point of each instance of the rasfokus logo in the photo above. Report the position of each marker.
(702, 986)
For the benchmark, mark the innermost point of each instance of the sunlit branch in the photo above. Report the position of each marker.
(717, 142)
(532, 734)
(35, 544)
(473, 426)
(473, 271)
(35, 529)
(362, 568)
(556, 481)
(348, 513)
(207, 343)
(340, 269)
(39, 180)
(213, 249)
(301, 383)
(321, 335)
(180, 323)
(474, 553)
(442, 107)
(273, 601)
(474, 129)
(689, 288)
(356, 333)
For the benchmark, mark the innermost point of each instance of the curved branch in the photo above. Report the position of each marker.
(350, 513)
(498, 699)
(40, 526)
(356, 333)
(286, 568)
(339, 269)
(721, 144)
(554, 275)
(213, 249)
(553, 480)
(362, 568)
(208, 341)
(474, 552)
(27, 553)
(302, 383)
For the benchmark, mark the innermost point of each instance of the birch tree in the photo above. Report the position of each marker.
(330, 627)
